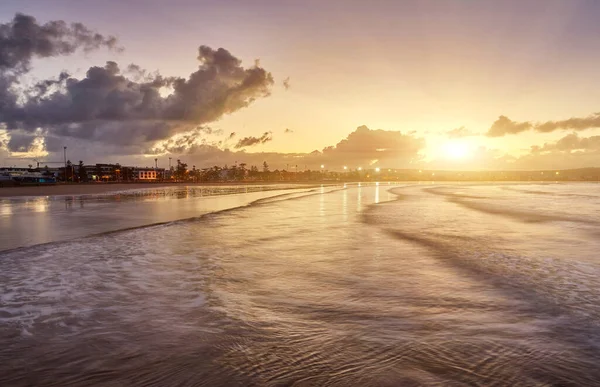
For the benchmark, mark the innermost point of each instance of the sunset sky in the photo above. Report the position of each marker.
(430, 84)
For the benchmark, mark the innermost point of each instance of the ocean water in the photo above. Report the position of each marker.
(370, 285)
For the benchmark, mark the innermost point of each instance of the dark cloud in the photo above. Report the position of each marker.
(20, 142)
(575, 123)
(460, 133)
(288, 130)
(111, 106)
(106, 97)
(503, 125)
(286, 83)
(251, 141)
(23, 39)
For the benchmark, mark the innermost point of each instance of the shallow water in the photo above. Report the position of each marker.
(372, 285)
(35, 220)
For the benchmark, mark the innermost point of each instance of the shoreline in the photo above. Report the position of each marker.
(104, 188)
(80, 189)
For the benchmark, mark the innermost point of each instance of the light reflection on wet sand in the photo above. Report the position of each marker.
(30, 221)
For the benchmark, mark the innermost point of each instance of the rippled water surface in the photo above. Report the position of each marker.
(371, 285)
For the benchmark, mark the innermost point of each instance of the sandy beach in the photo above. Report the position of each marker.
(94, 189)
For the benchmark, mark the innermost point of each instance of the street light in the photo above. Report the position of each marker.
(377, 169)
(345, 167)
(322, 166)
(65, 151)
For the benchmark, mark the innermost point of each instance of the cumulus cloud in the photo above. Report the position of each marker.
(111, 106)
(460, 133)
(570, 142)
(575, 123)
(252, 141)
(504, 125)
(181, 142)
(378, 142)
(570, 151)
(23, 39)
(363, 147)
(105, 98)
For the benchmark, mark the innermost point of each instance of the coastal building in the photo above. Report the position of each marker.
(148, 174)
(25, 176)
(105, 172)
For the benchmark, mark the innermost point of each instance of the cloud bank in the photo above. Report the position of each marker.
(503, 125)
(363, 147)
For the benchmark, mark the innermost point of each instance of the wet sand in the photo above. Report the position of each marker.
(101, 188)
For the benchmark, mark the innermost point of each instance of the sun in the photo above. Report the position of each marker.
(456, 150)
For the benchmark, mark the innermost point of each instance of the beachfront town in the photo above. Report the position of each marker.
(83, 173)
(116, 173)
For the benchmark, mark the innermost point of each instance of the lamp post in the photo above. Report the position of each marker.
(156, 169)
(65, 154)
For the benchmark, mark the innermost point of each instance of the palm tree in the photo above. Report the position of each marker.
(82, 172)
(69, 171)
(242, 171)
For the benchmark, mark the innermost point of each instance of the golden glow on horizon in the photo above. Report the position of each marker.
(456, 149)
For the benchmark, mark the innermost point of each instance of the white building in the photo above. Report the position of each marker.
(148, 174)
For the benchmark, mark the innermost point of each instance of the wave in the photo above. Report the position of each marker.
(537, 192)
(561, 289)
(441, 192)
(522, 216)
(477, 203)
(255, 203)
